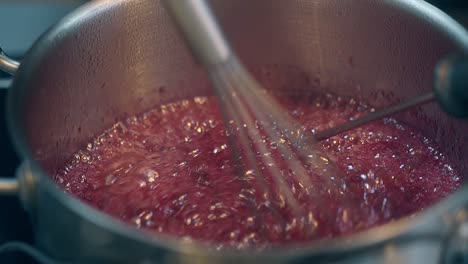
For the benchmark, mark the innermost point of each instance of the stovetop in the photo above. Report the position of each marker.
(25, 23)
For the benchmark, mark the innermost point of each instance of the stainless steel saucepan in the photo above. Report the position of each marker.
(115, 58)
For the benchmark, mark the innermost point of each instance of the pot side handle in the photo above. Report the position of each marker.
(8, 64)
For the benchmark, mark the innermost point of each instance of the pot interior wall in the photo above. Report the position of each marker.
(125, 57)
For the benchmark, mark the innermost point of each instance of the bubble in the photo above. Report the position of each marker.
(219, 149)
(195, 153)
(151, 175)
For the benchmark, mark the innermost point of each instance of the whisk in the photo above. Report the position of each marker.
(251, 115)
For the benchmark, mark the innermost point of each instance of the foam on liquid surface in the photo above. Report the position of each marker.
(171, 170)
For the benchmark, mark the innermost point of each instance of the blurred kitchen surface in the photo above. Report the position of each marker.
(21, 23)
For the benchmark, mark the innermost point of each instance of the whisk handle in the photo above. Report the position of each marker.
(200, 29)
(451, 85)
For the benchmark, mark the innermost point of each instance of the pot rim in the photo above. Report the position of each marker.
(363, 240)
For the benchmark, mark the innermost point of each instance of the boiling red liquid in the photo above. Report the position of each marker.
(171, 170)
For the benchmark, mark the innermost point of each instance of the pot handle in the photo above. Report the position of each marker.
(8, 64)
